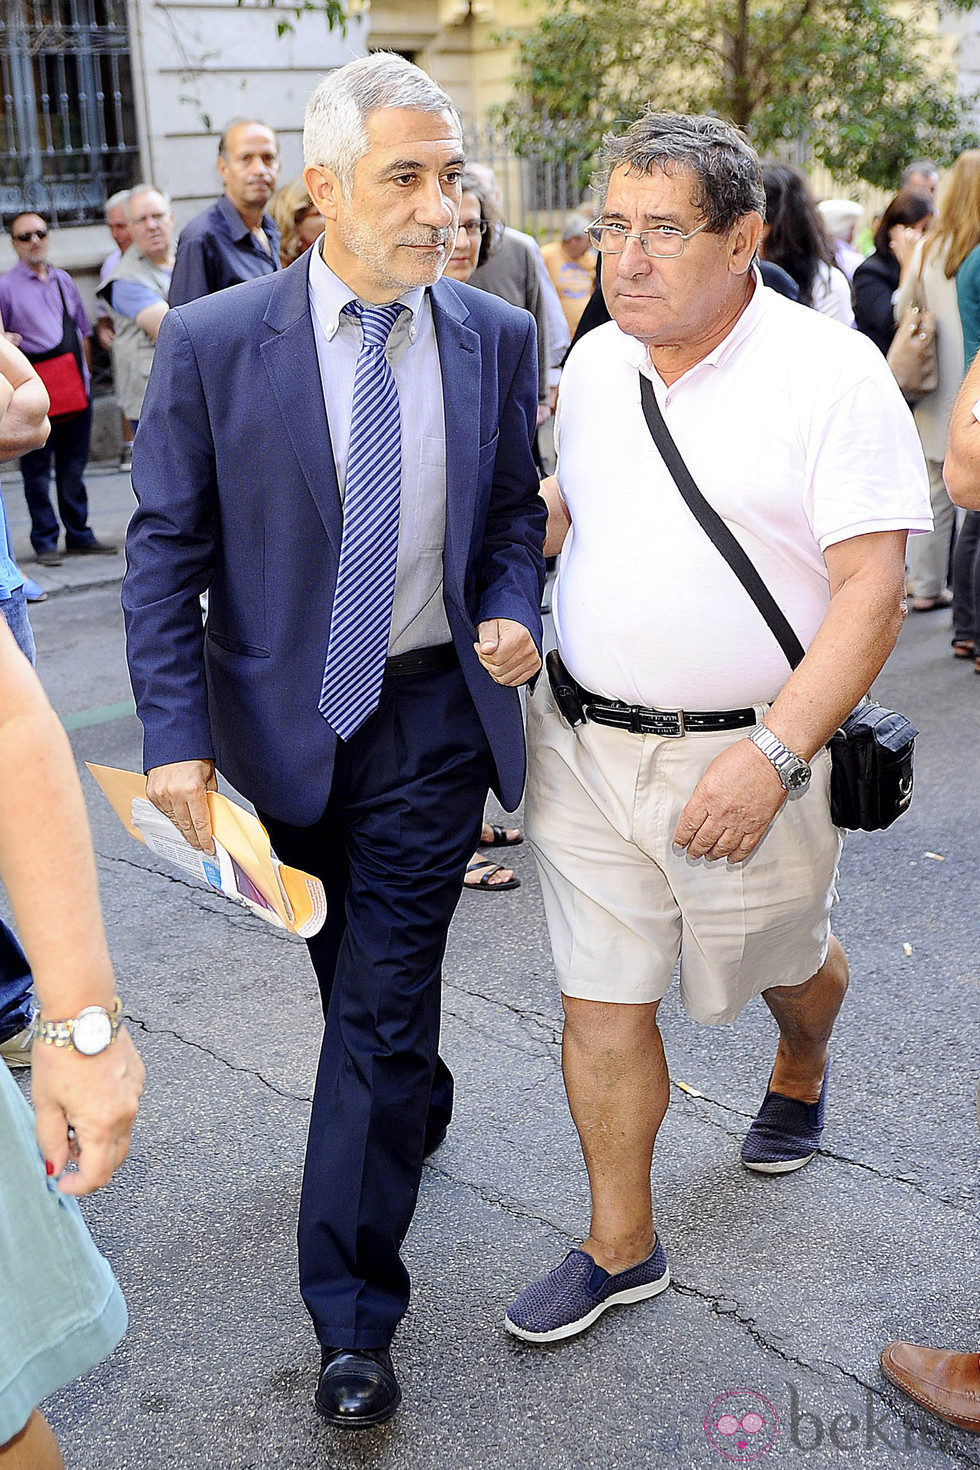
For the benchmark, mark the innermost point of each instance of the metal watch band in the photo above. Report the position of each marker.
(59, 1033)
(785, 761)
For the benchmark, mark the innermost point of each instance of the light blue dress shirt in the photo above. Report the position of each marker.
(10, 577)
(418, 617)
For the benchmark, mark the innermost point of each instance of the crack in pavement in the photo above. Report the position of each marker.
(232, 1066)
(826, 1153)
(941, 1436)
(551, 1025)
(238, 920)
(537, 1056)
(937, 1432)
(507, 1203)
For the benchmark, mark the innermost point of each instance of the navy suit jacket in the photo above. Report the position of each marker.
(234, 473)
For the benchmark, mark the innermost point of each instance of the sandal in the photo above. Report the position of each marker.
(964, 648)
(483, 882)
(499, 836)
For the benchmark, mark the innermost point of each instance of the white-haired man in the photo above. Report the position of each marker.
(658, 811)
(136, 294)
(341, 453)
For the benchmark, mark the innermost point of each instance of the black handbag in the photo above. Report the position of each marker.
(871, 753)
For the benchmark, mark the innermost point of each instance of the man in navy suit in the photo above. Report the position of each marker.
(341, 454)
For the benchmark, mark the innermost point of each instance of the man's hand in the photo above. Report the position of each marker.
(544, 414)
(731, 806)
(95, 1096)
(507, 652)
(105, 332)
(178, 790)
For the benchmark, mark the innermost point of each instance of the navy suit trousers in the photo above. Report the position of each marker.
(391, 849)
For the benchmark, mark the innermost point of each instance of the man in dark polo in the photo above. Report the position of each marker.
(234, 240)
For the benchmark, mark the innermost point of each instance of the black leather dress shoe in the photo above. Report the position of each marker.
(357, 1387)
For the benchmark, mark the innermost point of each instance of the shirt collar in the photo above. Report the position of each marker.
(329, 295)
(236, 226)
(30, 275)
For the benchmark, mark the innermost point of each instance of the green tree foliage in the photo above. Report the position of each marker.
(859, 83)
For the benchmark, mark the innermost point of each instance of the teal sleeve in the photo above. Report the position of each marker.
(968, 297)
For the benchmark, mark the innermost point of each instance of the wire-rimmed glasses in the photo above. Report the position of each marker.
(661, 242)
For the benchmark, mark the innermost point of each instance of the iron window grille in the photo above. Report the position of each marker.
(67, 123)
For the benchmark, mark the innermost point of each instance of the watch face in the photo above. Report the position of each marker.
(797, 779)
(91, 1032)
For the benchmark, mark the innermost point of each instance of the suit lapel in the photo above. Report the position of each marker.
(461, 369)
(290, 359)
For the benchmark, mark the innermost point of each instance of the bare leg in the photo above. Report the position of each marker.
(805, 1015)
(618, 1089)
(35, 1448)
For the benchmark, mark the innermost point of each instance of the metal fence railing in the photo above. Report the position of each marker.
(539, 190)
(68, 134)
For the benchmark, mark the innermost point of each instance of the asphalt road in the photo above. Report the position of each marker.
(784, 1288)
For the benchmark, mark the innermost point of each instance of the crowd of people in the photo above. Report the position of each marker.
(385, 606)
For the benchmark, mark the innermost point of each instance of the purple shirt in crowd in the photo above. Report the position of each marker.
(33, 308)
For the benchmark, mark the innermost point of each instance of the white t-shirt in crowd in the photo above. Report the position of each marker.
(831, 294)
(794, 430)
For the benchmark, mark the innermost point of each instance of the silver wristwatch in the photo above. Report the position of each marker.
(90, 1032)
(792, 770)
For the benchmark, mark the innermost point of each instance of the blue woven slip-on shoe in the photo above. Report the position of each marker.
(785, 1133)
(571, 1297)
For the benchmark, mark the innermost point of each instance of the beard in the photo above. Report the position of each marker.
(361, 241)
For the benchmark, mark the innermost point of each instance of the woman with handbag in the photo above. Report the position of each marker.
(930, 278)
(876, 279)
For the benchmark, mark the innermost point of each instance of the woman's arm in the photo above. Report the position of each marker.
(48, 868)
(23, 403)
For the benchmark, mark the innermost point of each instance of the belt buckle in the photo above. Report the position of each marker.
(670, 722)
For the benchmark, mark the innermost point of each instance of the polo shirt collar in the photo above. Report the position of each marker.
(235, 225)
(743, 328)
(29, 275)
(330, 295)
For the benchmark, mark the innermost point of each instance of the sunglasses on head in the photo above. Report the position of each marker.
(31, 235)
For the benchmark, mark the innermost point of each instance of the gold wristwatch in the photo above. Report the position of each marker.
(89, 1033)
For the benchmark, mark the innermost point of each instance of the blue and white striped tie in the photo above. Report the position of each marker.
(361, 617)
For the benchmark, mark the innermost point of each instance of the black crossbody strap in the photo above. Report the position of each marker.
(715, 529)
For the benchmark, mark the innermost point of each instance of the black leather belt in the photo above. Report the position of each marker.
(421, 661)
(669, 722)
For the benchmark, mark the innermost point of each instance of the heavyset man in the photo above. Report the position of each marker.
(662, 825)
(341, 453)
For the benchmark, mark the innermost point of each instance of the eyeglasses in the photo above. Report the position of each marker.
(473, 227)
(31, 235)
(662, 242)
